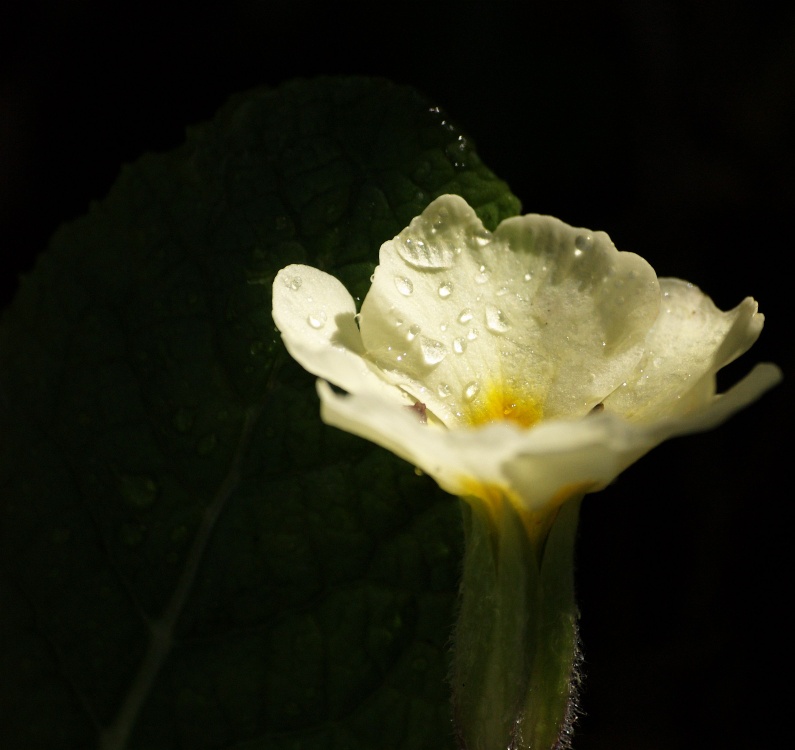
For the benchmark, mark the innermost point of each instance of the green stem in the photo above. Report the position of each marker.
(515, 653)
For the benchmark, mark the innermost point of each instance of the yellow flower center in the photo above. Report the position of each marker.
(500, 402)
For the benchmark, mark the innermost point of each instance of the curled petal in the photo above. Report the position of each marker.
(689, 342)
(315, 314)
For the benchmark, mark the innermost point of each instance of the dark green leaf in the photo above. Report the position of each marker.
(189, 558)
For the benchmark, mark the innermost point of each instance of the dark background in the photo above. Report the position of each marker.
(667, 124)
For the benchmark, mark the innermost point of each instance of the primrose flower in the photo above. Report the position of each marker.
(526, 365)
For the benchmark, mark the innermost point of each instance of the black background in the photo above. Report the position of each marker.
(667, 124)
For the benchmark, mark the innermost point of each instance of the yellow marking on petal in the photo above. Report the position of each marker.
(500, 402)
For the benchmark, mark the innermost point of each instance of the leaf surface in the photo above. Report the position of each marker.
(188, 557)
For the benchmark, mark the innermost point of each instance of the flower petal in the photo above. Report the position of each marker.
(538, 467)
(534, 467)
(690, 341)
(537, 311)
(315, 314)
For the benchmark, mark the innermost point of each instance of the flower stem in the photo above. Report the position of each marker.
(516, 648)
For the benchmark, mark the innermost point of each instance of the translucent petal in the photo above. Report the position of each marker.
(539, 467)
(690, 341)
(538, 310)
(315, 315)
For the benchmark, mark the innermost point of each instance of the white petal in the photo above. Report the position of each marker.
(534, 466)
(315, 315)
(539, 467)
(537, 310)
(763, 377)
(690, 341)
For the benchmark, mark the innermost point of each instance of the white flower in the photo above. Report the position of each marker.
(528, 364)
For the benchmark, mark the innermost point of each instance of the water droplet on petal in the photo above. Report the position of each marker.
(413, 332)
(445, 290)
(460, 346)
(433, 351)
(528, 276)
(293, 282)
(582, 243)
(472, 334)
(471, 390)
(317, 320)
(465, 315)
(404, 285)
(482, 239)
(421, 255)
(502, 291)
(443, 390)
(495, 319)
(482, 276)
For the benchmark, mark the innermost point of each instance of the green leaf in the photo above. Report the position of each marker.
(189, 558)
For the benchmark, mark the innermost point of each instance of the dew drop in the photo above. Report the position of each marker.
(445, 290)
(317, 320)
(495, 319)
(420, 255)
(502, 291)
(293, 282)
(482, 276)
(472, 334)
(413, 332)
(471, 390)
(465, 315)
(528, 277)
(582, 243)
(433, 351)
(443, 390)
(460, 345)
(404, 285)
(482, 239)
